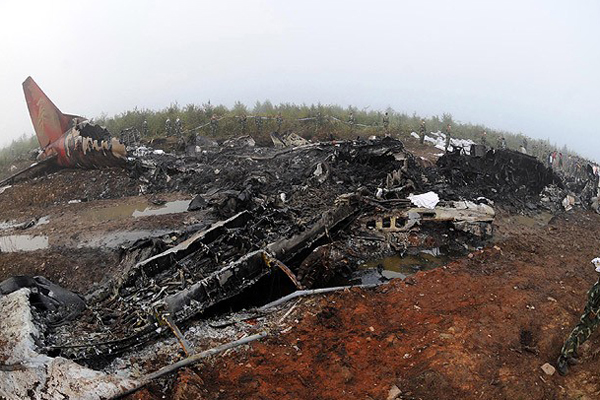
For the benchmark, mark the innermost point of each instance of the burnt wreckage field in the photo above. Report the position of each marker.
(279, 220)
(291, 219)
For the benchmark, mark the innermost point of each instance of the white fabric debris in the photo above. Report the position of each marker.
(425, 200)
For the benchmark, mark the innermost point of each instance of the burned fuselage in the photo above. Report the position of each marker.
(86, 145)
(69, 140)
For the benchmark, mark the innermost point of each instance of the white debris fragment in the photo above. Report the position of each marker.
(394, 393)
(425, 200)
(548, 369)
(2, 189)
(73, 201)
(282, 196)
(318, 170)
(140, 151)
(482, 199)
(438, 139)
(568, 202)
(37, 376)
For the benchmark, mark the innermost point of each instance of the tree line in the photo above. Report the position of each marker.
(316, 122)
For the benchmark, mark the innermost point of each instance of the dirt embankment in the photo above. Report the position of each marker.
(479, 328)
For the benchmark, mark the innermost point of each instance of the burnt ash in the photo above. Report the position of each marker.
(508, 177)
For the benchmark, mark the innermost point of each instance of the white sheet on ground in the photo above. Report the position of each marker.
(425, 200)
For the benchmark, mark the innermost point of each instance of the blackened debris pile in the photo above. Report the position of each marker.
(306, 179)
(58, 304)
(506, 176)
(298, 216)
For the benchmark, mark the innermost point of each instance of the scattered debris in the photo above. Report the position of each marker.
(568, 202)
(306, 240)
(548, 369)
(58, 304)
(26, 373)
(288, 139)
(277, 223)
(505, 176)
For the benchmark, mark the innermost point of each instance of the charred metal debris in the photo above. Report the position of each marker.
(509, 177)
(284, 219)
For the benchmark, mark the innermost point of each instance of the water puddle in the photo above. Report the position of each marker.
(114, 213)
(14, 243)
(381, 270)
(172, 207)
(135, 209)
(116, 239)
(6, 225)
(402, 267)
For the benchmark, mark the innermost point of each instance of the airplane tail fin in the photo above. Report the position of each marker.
(49, 123)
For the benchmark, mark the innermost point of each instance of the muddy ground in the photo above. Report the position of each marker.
(478, 328)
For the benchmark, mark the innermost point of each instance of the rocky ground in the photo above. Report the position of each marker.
(479, 327)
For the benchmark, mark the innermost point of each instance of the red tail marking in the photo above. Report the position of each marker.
(49, 123)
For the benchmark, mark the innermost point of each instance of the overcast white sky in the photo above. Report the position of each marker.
(522, 66)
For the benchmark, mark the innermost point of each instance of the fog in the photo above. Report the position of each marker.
(521, 66)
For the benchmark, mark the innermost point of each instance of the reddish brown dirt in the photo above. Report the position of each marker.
(479, 328)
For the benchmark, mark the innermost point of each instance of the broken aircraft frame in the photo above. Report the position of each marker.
(67, 140)
(261, 241)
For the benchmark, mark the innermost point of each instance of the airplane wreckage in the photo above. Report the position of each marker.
(67, 140)
(276, 220)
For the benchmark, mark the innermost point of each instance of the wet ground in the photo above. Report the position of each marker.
(474, 327)
(76, 243)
